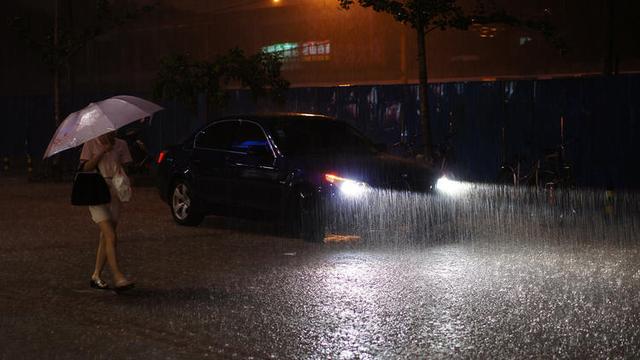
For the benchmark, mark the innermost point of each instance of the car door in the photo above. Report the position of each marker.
(257, 177)
(212, 148)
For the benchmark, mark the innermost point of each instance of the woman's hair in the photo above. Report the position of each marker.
(110, 137)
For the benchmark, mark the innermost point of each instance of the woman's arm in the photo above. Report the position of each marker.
(92, 163)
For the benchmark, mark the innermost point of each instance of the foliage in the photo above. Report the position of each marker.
(425, 16)
(415, 13)
(448, 14)
(70, 41)
(184, 79)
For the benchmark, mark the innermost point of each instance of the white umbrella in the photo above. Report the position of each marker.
(97, 119)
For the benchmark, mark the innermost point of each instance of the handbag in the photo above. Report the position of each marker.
(122, 185)
(89, 188)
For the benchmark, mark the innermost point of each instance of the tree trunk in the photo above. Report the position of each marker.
(52, 169)
(608, 68)
(56, 97)
(56, 70)
(69, 66)
(425, 120)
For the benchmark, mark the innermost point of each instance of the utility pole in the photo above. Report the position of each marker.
(425, 119)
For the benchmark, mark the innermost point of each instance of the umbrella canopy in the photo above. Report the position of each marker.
(97, 119)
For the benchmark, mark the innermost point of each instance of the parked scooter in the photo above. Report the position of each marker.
(142, 160)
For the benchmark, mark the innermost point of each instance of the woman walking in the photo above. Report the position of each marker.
(109, 155)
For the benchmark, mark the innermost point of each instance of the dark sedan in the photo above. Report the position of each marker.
(292, 168)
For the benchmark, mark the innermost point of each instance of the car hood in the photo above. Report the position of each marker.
(380, 170)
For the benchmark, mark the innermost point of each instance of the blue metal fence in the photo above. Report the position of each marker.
(486, 122)
(492, 122)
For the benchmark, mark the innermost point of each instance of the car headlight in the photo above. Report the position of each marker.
(348, 187)
(451, 187)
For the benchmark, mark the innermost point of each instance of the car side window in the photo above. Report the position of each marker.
(218, 136)
(250, 136)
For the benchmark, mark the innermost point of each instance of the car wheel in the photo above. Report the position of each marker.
(182, 205)
(305, 218)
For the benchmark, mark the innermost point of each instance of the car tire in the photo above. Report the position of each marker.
(305, 218)
(182, 204)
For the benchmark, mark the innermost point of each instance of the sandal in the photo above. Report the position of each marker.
(97, 283)
(123, 285)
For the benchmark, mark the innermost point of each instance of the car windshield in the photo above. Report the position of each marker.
(310, 136)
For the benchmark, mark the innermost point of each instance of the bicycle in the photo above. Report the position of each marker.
(557, 171)
(551, 171)
(512, 173)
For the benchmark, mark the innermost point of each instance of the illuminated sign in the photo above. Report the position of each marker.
(485, 31)
(306, 51)
(316, 51)
(285, 50)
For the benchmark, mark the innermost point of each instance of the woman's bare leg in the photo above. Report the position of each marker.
(101, 255)
(101, 258)
(109, 237)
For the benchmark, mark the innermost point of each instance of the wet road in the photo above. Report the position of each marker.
(229, 290)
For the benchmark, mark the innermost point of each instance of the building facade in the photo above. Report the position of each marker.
(321, 44)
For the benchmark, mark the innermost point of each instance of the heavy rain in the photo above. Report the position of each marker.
(461, 266)
(494, 271)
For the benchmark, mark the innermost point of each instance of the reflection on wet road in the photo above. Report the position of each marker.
(453, 301)
(525, 288)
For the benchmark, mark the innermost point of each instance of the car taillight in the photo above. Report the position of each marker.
(333, 178)
(161, 157)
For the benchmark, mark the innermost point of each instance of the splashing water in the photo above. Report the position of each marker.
(491, 214)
